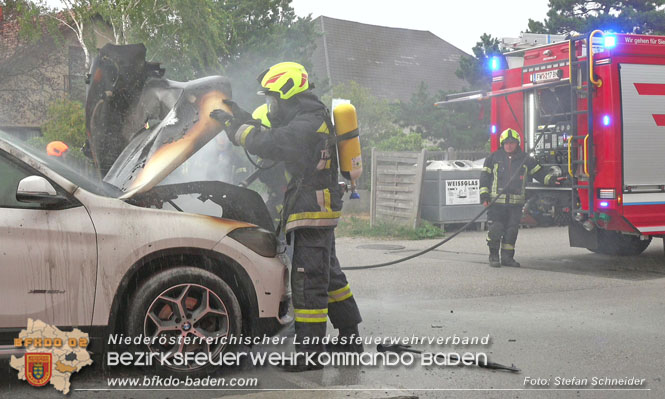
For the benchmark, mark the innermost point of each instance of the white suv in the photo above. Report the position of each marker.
(74, 255)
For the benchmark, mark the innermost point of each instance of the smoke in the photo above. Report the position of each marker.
(218, 160)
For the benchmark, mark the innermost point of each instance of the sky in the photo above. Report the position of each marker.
(459, 22)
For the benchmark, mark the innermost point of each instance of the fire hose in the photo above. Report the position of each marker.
(260, 170)
(440, 243)
(455, 234)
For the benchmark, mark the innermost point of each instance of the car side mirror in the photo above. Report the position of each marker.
(36, 189)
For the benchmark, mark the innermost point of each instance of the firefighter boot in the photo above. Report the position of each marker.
(494, 257)
(508, 260)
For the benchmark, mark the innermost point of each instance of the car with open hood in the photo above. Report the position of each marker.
(107, 249)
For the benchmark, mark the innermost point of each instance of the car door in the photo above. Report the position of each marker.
(48, 255)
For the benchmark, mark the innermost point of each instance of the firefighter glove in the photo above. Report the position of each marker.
(238, 113)
(221, 116)
(484, 197)
(236, 129)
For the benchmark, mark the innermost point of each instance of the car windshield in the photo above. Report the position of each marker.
(78, 170)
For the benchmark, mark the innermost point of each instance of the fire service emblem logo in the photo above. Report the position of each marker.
(38, 368)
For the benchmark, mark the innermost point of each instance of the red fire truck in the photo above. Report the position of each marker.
(593, 109)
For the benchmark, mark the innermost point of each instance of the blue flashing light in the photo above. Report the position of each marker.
(604, 204)
(606, 120)
(610, 41)
(493, 129)
(495, 63)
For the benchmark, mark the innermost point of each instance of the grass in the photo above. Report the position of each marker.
(358, 226)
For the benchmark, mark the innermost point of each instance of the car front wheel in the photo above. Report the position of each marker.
(184, 310)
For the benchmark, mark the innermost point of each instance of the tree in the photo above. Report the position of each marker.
(288, 40)
(402, 142)
(375, 115)
(40, 18)
(630, 16)
(456, 125)
(535, 27)
(65, 121)
(474, 69)
(184, 33)
(190, 38)
(29, 76)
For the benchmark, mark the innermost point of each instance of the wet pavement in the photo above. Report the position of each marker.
(567, 318)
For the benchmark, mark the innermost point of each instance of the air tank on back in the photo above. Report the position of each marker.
(348, 144)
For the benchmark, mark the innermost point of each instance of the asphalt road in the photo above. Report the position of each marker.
(565, 314)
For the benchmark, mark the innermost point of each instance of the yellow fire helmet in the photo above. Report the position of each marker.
(509, 134)
(286, 79)
(261, 113)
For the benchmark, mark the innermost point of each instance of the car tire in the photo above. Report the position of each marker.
(210, 309)
(617, 244)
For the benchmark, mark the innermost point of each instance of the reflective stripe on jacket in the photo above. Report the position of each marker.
(497, 171)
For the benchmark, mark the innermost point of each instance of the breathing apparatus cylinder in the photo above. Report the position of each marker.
(348, 144)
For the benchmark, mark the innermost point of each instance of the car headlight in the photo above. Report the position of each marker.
(257, 239)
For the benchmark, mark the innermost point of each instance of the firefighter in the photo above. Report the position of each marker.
(505, 214)
(301, 135)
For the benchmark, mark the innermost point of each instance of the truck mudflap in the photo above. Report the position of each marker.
(580, 237)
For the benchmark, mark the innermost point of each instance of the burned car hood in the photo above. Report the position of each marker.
(141, 126)
(232, 202)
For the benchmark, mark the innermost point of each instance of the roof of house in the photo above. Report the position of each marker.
(391, 62)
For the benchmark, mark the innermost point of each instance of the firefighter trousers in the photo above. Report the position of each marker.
(319, 288)
(504, 222)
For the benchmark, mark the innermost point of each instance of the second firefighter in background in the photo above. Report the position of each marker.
(301, 135)
(504, 177)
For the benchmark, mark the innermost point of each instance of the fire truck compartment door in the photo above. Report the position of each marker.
(643, 114)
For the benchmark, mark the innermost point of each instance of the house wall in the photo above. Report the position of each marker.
(34, 74)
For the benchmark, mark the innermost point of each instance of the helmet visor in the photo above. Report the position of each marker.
(272, 101)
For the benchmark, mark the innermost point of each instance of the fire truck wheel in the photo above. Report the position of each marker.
(615, 243)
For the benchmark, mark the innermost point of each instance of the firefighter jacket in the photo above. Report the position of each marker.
(497, 171)
(301, 137)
